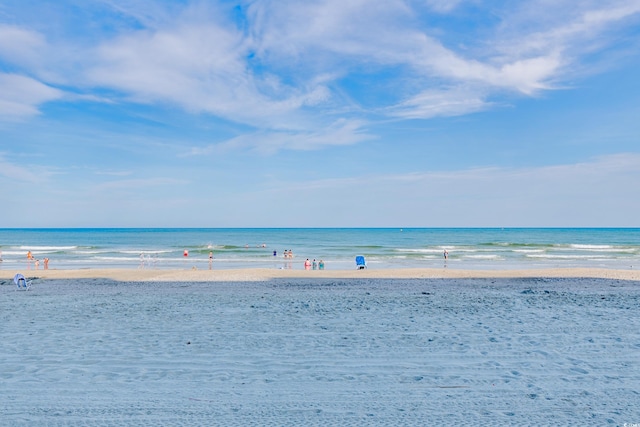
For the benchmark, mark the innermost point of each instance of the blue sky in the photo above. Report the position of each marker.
(398, 113)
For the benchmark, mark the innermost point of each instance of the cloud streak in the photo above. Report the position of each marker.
(21, 97)
(17, 173)
(340, 133)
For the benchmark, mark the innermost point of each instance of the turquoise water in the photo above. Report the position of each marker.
(485, 248)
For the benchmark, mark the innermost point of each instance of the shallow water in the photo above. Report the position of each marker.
(321, 352)
(475, 248)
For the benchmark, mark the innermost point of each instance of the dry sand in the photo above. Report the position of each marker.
(260, 274)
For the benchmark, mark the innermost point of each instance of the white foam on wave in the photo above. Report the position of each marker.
(484, 256)
(48, 248)
(582, 246)
(420, 251)
(603, 248)
(109, 258)
(14, 252)
(145, 251)
(569, 256)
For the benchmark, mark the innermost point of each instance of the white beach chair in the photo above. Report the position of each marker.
(21, 282)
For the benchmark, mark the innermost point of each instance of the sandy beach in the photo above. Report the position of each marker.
(261, 274)
(290, 348)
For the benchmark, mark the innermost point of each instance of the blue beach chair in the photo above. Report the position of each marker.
(21, 282)
(361, 264)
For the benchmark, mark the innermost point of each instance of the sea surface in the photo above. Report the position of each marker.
(468, 248)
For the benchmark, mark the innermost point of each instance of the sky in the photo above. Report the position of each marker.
(320, 113)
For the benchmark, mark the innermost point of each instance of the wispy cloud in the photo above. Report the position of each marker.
(135, 185)
(16, 172)
(341, 132)
(282, 67)
(21, 96)
(562, 28)
(443, 6)
(199, 62)
(19, 46)
(114, 173)
(434, 103)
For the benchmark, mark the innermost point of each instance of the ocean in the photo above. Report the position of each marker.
(175, 248)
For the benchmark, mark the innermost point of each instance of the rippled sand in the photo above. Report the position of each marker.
(319, 351)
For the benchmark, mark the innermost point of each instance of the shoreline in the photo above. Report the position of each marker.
(264, 274)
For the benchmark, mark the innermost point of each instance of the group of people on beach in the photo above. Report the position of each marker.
(288, 253)
(313, 265)
(308, 265)
(36, 262)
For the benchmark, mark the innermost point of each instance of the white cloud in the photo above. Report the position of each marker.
(443, 6)
(200, 63)
(341, 132)
(330, 35)
(562, 27)
(21, 96)
(203, 62)
(16, 172)
(134, 185)
(19, 46)
(283, 68)
(21, 93)
(435, 103)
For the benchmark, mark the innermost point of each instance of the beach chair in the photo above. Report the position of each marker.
(21, 282)
(361, 264)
